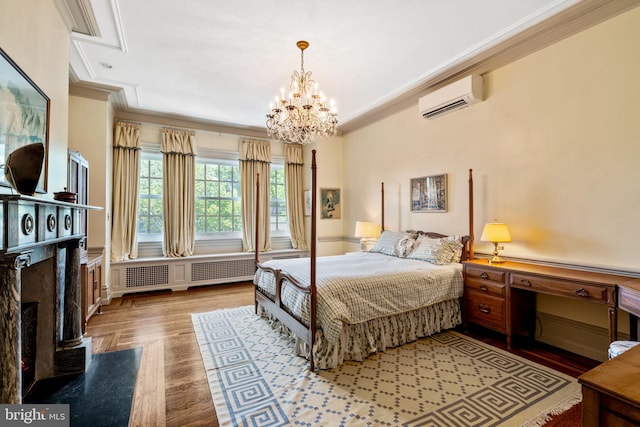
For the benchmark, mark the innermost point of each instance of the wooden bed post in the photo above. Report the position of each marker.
(257, 235)
(313, 295)
(257, 219)
(471, 238)
(382, 198)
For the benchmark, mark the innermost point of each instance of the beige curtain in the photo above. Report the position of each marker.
(126, 172)
(294, 165)
(178, 191)
(255, 158)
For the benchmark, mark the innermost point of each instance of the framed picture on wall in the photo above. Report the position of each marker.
(24, 117)
(429, 193)
(307, 202)
(330, 203)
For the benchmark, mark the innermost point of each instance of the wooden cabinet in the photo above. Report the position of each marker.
(78, 182)
(90, 265)
(610, 392)
(91, 273)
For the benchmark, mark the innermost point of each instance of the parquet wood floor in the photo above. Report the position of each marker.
(172, 387)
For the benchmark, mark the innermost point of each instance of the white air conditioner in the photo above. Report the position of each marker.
(459, 94)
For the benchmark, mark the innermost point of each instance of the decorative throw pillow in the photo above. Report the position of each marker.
(435, 251)
(388, 242)
(404, 246)
(456, 245)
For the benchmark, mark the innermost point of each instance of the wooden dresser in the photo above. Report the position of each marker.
(501, 296)
(610, 392)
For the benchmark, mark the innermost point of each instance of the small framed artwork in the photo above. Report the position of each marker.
(429, 193)
(330, 203)
(307, 202)
(24, 116)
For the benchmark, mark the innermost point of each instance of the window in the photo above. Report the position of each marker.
(218, 210)
(150, 209)
(278, 200)
(218, 206)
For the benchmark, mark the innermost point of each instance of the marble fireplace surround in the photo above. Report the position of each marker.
(40, 244)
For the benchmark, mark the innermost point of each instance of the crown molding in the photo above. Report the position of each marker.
(190, 122)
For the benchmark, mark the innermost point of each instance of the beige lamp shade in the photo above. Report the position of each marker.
(495, 232)
(366, 230)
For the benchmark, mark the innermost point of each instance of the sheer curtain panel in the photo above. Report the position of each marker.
(294, 165)
(126, 171)
(255, 158)
(178, 166)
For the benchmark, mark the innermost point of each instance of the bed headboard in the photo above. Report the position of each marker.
(466, 242)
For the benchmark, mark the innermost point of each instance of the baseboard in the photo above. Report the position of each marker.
(577, 337)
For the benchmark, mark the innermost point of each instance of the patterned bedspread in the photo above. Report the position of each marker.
(355, 288)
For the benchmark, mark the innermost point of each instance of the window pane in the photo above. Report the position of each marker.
(212, 172)
(199, 172)
(218, 196)
(150, 210)
(278, 205)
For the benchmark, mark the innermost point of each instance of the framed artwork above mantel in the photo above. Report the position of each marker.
(24, 116)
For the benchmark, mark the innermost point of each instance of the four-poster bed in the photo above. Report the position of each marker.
(347, 307)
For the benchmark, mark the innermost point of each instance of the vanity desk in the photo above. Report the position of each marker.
(501, 296)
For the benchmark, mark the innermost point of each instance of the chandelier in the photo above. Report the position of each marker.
(304, 115)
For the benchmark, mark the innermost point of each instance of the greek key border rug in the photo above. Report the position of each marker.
(445, 380)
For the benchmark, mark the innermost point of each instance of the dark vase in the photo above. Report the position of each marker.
(23, 168)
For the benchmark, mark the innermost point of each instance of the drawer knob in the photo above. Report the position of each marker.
(582, 292)
(484, 288)
(484, 275)
(525, 282)
(484, 308)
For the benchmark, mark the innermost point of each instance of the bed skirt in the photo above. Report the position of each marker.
(357, 341)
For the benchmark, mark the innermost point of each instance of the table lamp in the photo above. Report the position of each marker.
(368, 233)
(496, 232)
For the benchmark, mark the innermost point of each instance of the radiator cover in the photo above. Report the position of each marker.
(151, 274)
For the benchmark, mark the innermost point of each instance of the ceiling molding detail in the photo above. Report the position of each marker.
(78, 16)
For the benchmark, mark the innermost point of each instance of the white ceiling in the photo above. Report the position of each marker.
(223, 62)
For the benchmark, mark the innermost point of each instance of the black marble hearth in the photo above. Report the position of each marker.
(101, 396)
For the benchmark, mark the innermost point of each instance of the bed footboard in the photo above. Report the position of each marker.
(276, 307)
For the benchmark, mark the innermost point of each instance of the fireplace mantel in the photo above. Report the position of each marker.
(34, 230)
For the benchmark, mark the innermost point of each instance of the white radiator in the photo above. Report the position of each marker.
(150, 274)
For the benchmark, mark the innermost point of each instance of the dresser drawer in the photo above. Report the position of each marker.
(484, 274)
(485, 287)
(485, 310)
(561, 287)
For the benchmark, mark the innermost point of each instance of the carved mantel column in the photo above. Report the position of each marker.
(10, 313)
(69, 265)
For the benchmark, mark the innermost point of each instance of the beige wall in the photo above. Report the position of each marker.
(554, 150)
(35, 37)
(90, 133)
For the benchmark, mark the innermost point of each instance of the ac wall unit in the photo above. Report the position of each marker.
(460, 94)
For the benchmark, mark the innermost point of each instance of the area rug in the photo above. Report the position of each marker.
(448, 379)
